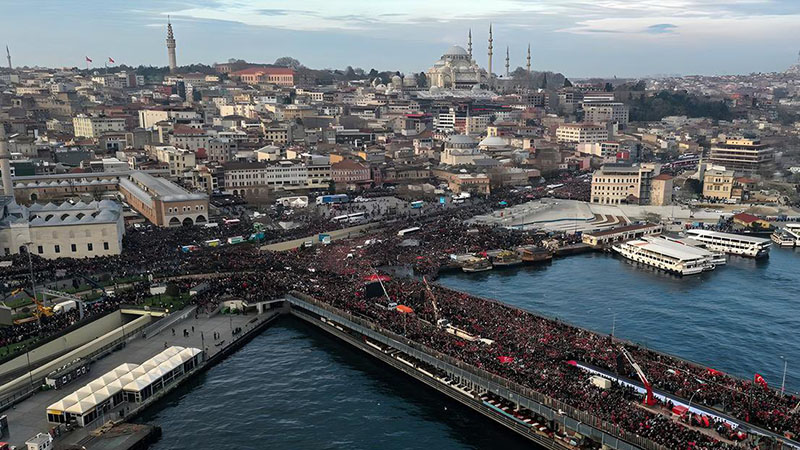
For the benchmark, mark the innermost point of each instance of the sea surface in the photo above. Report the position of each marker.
(294, 387)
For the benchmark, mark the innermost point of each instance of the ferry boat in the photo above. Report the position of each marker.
(532, 253)
(669, 256)
(717, 258)
(788, 236)
(506, 258)
(476, 264)
(734, 244)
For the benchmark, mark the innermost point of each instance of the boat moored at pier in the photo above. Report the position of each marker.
(504, 258)
(666, 255)
(476, 264)
(532, 253)
(734, 244)
(788, 236)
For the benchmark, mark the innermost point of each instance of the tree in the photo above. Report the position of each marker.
(349, 73)
(544, 81)
(288, 61)
(422, 79)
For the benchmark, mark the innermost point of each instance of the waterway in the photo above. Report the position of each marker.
(740, 318)
(295, 387)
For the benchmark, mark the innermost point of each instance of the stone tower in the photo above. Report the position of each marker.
(529, 59)
(491, 76)
(173, 63)
(5, 163)
(469, 44)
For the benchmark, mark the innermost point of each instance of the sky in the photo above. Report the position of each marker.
(580, 38)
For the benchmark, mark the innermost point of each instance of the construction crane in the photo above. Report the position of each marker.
(433, 301)
(649, 400)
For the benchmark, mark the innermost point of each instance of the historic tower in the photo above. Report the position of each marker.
(529, 59)
(5, 163)
(491, 76)
(173, 64)
(469, 44)
(507, 62)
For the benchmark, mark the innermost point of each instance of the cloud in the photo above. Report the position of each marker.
(661, 28)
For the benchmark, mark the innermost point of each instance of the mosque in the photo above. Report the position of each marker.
(456, 70)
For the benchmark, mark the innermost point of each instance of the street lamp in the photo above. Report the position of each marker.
(783, 383)
(689, 408)
(613, 322)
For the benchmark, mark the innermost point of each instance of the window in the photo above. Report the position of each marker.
(105, 245)
(40, 249)
(89, 246)
(74, 248)
(58, 249)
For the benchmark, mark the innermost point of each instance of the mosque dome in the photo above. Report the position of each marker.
(493, 141)
(456, 51)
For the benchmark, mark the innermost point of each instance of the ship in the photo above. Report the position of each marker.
(788, 236)
(504, 258)
(532, 253)
(476, 264)
(733, 244)
(666, 255)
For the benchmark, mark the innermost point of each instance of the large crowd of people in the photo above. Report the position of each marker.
(535, 350)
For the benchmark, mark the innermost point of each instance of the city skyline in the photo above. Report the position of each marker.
(578, 38)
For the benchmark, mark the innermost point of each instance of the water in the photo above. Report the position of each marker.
(740, 318)
(295, 387)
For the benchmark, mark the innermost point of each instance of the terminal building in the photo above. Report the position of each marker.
(163, 202)
(616, 184)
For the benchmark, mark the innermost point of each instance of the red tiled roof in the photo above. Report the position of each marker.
(746, 218)
(663, 176)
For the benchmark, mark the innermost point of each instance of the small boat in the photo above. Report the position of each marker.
(532, 253)
(506, 258)
(476, 264)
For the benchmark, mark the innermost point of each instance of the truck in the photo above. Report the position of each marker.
(336, 198)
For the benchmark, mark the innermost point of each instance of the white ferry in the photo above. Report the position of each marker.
(666, 255)
(788, 236)
(717, 258)
(734, 244)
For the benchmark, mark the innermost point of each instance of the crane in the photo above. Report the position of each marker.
(649, 400)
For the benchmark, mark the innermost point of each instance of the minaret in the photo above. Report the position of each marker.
(529, 59)
(490, 57)
(469, 44)
(8, 57)
(173, 64)
(5, 163)
(507, 60)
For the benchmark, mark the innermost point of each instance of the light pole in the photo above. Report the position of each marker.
(783, 383)
(613, 321)
(689, 408)
(30, 266)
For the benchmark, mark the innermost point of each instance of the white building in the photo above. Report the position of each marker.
(80, 230)
(96, 126)
(578, 133)
(460, 150)
(179, 160)
(615, 184)
(603, 112)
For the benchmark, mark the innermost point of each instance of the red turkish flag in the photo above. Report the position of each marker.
(88, 59)
(760, 380)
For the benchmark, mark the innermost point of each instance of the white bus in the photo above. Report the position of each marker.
(342, 218)
(408, 231)
(356, 217)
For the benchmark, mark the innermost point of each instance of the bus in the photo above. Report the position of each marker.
(327, 199)
(230, 222)
(356, 217)
(235, 240)
(342, 218)
(213, 243)
(417, 205)
(408, 231)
